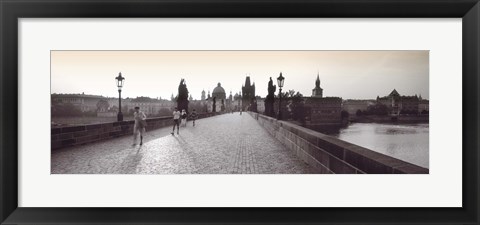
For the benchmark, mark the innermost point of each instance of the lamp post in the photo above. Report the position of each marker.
(120, 85)
(280, 81)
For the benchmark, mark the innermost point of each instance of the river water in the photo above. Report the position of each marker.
(407, 142)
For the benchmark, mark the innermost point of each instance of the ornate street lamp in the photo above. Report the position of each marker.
(120, 85)
(280, 81)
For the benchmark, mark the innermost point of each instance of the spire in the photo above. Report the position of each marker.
(317, 82)
(317, 92)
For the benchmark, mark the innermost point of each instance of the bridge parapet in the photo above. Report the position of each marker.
(62, 137)
(332, 155)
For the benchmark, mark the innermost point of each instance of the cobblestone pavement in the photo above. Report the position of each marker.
(224, 144)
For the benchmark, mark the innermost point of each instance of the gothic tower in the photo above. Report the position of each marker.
(248, 93)
(317, 92)
(203, 95)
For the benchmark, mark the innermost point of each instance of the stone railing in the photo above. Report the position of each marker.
(62, 137)
(331, 155)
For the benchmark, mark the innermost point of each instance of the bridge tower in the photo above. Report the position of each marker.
(248, 93)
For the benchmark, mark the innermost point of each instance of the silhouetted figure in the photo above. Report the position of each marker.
(270, 100)
(214, 107)
(182, 100)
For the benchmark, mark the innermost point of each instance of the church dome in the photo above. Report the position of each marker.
(218, 90)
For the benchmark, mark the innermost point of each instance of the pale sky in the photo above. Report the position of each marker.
(346, 74)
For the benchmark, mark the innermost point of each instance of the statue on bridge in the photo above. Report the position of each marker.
(270, 99)
(214, 108)
(182, 100)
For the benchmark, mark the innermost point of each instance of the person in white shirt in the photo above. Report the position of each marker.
(139, 127)
(176, 120)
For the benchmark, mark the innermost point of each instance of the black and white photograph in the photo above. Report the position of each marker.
(239, 112)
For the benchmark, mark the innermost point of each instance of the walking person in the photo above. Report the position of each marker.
(184, 118)
(193, 116)
(139, 127)
(176, 121)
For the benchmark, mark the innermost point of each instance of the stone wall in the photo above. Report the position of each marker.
(62, 137)
(331, 155)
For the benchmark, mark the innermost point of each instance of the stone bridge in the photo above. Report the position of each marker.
(224, 144)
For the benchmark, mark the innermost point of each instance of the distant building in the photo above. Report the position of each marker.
(85, 103)
(423, 105)
(237, 102)
(400, 104)
(220, 98)
(104, 106)
(219, 92)
(322, 110)
(392, 101)
(409, 104)
(209, 105)
(317, 92)
(353, 105)
(248, 93)
(150, 106)
(203, 95)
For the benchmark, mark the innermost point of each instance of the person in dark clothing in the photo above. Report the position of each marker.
(193, 116)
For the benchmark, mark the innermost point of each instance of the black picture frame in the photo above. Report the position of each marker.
(12, 10)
